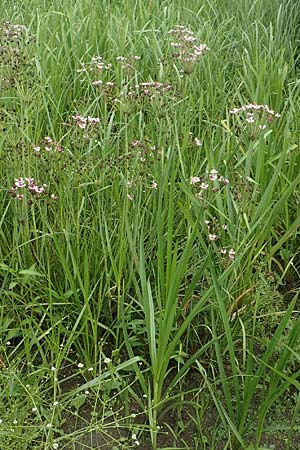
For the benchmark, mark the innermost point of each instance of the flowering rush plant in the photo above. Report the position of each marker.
(28, 185)
(258, 116)
(186, 48)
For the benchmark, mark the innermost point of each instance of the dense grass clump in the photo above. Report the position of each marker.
(149, 252)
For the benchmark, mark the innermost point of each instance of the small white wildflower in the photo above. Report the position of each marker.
(80, 365)
(133, 436)
(87, 392)
(34, 409)
(55, 403)
(55, 446)
(212, 237)
(15, 422)
(107, 360)
(53, 369)
(90, 369)
(49, 425)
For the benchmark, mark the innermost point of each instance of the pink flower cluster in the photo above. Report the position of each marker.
(212, 176)
(145, 151)
(215, 230)
(127, 62)
(108, 90)
(98, 83)
(48, 145)
(12, 31)
(84, 122)
(256, 114)
(230, 252)
(21, 184)
(150, 89)
(96, 64)
(185, 46)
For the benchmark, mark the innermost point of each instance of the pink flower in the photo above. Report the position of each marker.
(97, 83)
(197, 142)
(82, 122)
(213, 174)
(194, 180)
(231, 254)
(36, 189)
(250, 118)
(20, 183)
(223, 180)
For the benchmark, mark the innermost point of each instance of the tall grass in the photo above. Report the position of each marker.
(159, 246)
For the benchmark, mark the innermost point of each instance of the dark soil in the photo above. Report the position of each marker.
(181, 428)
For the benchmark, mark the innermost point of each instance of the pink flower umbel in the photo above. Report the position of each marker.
(20, 183)
(26, 186)
(85, 122)
(186, 48)
(256, 116)
(194, 180)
